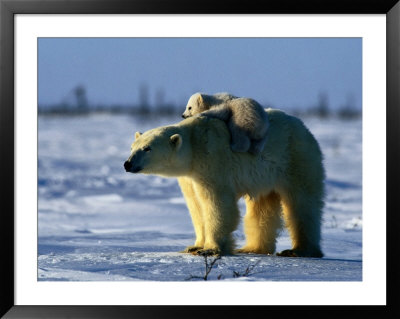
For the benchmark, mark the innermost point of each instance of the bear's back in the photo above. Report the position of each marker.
(290, 147)
(212, 157)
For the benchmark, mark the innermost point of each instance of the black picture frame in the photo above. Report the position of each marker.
(8, 8)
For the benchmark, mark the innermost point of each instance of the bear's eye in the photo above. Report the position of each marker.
(189, 108)
(147, 149)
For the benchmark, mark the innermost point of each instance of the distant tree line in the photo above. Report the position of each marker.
(76, 103)
(321, 110)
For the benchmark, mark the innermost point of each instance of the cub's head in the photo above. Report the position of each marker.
(160, 151)
(197, 103)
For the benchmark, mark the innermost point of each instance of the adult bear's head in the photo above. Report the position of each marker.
(164, 151)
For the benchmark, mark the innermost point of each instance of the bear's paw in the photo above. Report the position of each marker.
(300, 253)
(246, 250)
(209, 252)
(191, 249)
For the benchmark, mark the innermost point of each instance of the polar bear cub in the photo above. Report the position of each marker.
(246, 119)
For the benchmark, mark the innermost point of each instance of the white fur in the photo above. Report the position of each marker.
(245, 117)
(285, 179)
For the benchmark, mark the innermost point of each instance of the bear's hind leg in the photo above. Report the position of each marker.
(262, 223)
(303, 219)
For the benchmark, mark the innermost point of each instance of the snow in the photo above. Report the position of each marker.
(98, 223)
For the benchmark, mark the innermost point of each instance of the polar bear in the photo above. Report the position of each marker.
(286, 179)
(245, 117)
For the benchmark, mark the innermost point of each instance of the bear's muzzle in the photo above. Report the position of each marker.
(129, 168)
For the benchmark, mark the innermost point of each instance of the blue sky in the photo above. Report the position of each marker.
(284, 73)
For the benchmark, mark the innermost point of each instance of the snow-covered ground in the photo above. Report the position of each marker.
(97, 222)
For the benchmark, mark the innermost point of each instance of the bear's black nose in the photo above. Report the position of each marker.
(183, 116)
(127, 166)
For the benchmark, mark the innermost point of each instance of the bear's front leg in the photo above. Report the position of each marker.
(189, 192)
(221, 218)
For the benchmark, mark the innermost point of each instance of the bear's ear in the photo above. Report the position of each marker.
(137, 135)
(176, 141)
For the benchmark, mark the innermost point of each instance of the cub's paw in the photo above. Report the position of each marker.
(254, 150)
(209, 252)
(240, 148)
(191, 249)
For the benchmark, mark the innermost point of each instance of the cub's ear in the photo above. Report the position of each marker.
(176, 141)
(200, 99)
(137, 135)
(203, 100)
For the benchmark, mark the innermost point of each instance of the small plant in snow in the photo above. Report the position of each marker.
(246, 273)
(209, 266)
